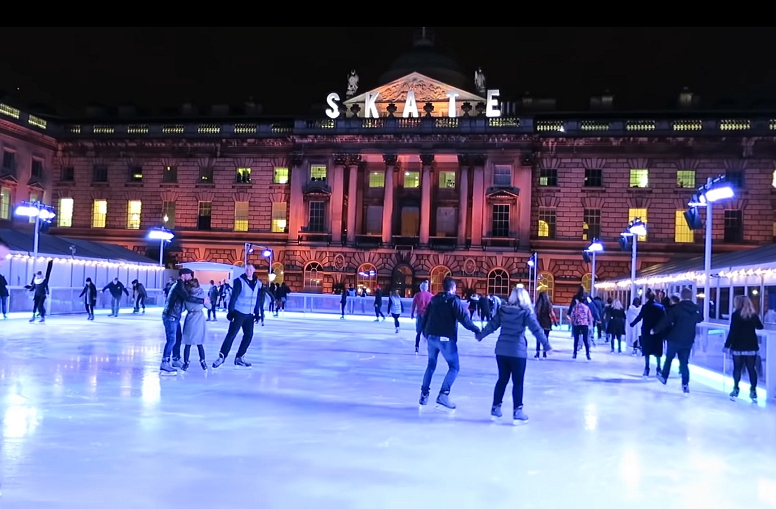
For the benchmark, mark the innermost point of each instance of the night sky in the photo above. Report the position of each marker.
(288, 70)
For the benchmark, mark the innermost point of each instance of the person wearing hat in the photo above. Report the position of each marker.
(171, 317)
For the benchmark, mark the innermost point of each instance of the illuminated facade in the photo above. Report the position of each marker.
(397, 199)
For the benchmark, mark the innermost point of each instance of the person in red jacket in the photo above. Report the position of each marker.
(419, 304)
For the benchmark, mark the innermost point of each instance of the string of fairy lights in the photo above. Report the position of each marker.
(88, 263)
(696, 277)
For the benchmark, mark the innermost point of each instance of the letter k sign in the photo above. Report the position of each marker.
(370, 108)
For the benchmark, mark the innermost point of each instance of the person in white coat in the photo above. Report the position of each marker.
(632, 334)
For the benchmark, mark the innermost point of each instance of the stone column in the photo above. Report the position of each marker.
(337, 197)
(296, 207)
(388, 198)
(352, 201)
(523, 226)
(425, 197)
(478, 199)
(463, 198)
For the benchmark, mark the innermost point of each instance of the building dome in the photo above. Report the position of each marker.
(426, 59)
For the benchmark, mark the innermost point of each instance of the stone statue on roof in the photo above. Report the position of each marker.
(479, 80)
(352, 83)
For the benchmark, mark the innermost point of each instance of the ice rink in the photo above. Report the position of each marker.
(328, 417)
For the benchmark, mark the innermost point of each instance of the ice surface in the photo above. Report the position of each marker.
(328, 418)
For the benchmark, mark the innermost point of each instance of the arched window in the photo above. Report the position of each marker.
(545, 283)
(313, 277)
(277, 269)
(403, 277)
(437, 276)
(586, 282)
(366, 277)
(498, 283)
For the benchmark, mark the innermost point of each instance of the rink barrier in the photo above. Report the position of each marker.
(65, 301)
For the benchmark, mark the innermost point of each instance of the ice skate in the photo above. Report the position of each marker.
(423, 399)
(518, 417)
(185, 366)
(495, 412)
(646, 373)
(240, 361)
(203, 364)
(686, 389)
(167, 369)
(536, 356)
(661, 378)
(753, 395)
(734, 394)
(219, 361)
(443, 403)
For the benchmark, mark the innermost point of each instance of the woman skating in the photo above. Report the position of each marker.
(633, 333)
(615, 327)
(395, 307)
(743, 344)
(89, 294)
(651, 344)
(194, 325)
(546, 317)
(512, 349)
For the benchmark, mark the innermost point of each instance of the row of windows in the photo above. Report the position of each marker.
(499, 282)
(9, 164)
(411, 179)
(591, 224)
(170, 174)
(594, 177)
(135, 207)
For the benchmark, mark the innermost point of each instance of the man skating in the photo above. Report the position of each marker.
(419, 305)
(115, 288)
(243, 312)
(679, 325)
(171, 317)
(440, 326)
(39, 286)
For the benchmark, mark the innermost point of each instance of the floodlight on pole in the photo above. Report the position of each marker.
(266, 252)
(162, 235)
(595, 247)
(716, 189)
(533, 272)
(43, 214)
(636, 228)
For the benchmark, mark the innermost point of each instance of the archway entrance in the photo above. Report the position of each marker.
(403, 279)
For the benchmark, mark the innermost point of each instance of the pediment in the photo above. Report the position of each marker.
(495, 193)
(426, 90)
(34, 183)
(7, 178)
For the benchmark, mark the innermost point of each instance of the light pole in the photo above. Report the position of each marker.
(266, 252)
(162, 235)
(41, 213)
(635, 229)
(533, 268)
(595, 247)
(714, 190)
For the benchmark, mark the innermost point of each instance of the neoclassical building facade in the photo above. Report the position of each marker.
(421, 177)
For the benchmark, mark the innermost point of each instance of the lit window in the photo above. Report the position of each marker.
(168, 214)
(546, 223)
(376, 179)
(241, 211)
(411, 179)
(136, 174)
(278, 270)
(437, 277)
(99, 213)
(366, 278)
(318, 172)
(640, 214)
(65, 213)
(134, 207)
(446, 179)
(591, 224)
(280, 176)
(5, 203)
(279, 221)
(587, 281)
(313, 277)
(243, 176)
(685, 179)
(639, 178)
(548, 177)
(206, 174)
(682, 232)
(545, 283)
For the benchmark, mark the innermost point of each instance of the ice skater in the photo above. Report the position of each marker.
(395, 307)
(171, 318)
(194, 324)
(115, 288)
(343, 303)
(39, 286)
(678, 325)
(440, 326)
(244, 312)
(546, 317)
(743, 345)
(581, 318)
(379, 304)
(89, 294)
(418, 309)
(512, 349)
(651, 344)
(615, 324)
(212, 294)
(140, 294)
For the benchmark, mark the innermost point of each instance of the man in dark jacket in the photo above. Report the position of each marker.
(4, 296)
(115, 288)
(379, 304)
(171, 317)
(679, 324)
(39, 286)
(212, 294)
(140, 294)
(440, 326)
